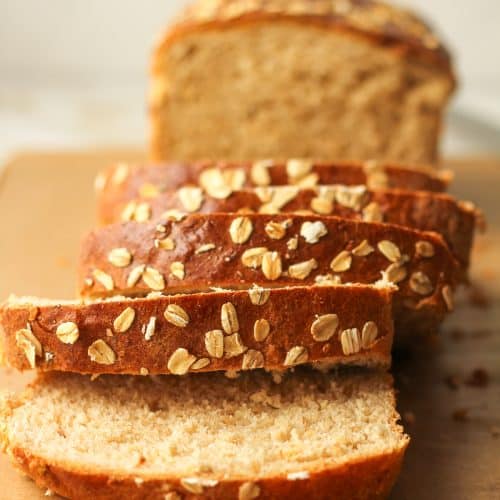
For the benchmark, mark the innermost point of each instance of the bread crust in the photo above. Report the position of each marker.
(290, 313)
(372, 478)
(121, 183)
(377, 23)
(425, 211)
(226, 264)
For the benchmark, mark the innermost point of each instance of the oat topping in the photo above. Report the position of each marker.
(153, 278)
(302, 270)
(321, 205)
(296, 355)
(253, 257)
(165, 243)
(363, 249)
(180, 361)
(252, 359)
(350, 341)
(389, 250)
(292, 243)
(276, 230)
(120, 173)
(424, 249)
(421, 284)
(447, 293)
(174, 215)
(120, 257)
(200, 364)
(229, 318)
(100, 352)
(313, 231)
(260, 172)
(295, 476)
(29, 344)
(104, 279)
(191, 198)
(248, 491)
(353, 197)
(150, 328)
(214, 343)
(135, 275)
(373, 213)
(324, 327)
(271, 265)
(233, 345)
(368, 334)
(261, 329)
(176, 315)
(297, 169)
(395, 273)
(124, 320)
(206, 247)
(342, 262)
(240, 230)
(142, 212)
(67, 332)
(258, 295)
(177, 270)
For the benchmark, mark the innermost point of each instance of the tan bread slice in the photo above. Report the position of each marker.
(423, 210)
(313, 435)
(224, 330)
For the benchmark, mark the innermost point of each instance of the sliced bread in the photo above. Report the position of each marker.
(122, 182)
(423, 210)
(225, 330)
(199, 251)
(303, 435)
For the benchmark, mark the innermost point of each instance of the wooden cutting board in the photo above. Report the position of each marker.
(47, 203)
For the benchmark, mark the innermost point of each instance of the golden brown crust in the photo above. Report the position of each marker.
(371, 478)
(327, 249)
(122, 182)
(425, 211)
(289, 312)
(392, 28)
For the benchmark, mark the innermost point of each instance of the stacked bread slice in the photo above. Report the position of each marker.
(243, 270)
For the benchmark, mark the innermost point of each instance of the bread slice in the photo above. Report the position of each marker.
(234, 250)
(423, 210)
(323, 78)
(224, 330)
(121, 183)
(313, 435)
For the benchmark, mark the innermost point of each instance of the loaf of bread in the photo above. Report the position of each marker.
(423, 210)
(309, 435)
(226, 330)
(198, 251)
(122, 182)
(353, 79)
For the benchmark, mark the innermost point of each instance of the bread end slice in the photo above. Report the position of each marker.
(260, 436)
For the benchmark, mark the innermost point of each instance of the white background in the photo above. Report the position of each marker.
(73, 72)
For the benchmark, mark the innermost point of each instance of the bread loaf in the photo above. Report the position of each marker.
(422, 210)
(226, 330)
(313, 435)
(328, 79)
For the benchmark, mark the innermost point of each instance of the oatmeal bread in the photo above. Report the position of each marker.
(355, 79)
(226, 330)
(121, 183)
(303, 435)
(423, 210)
(186, 253)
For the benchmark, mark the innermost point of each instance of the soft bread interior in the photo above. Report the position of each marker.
(206, 426)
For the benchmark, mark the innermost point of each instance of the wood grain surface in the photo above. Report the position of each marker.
(452, 415)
